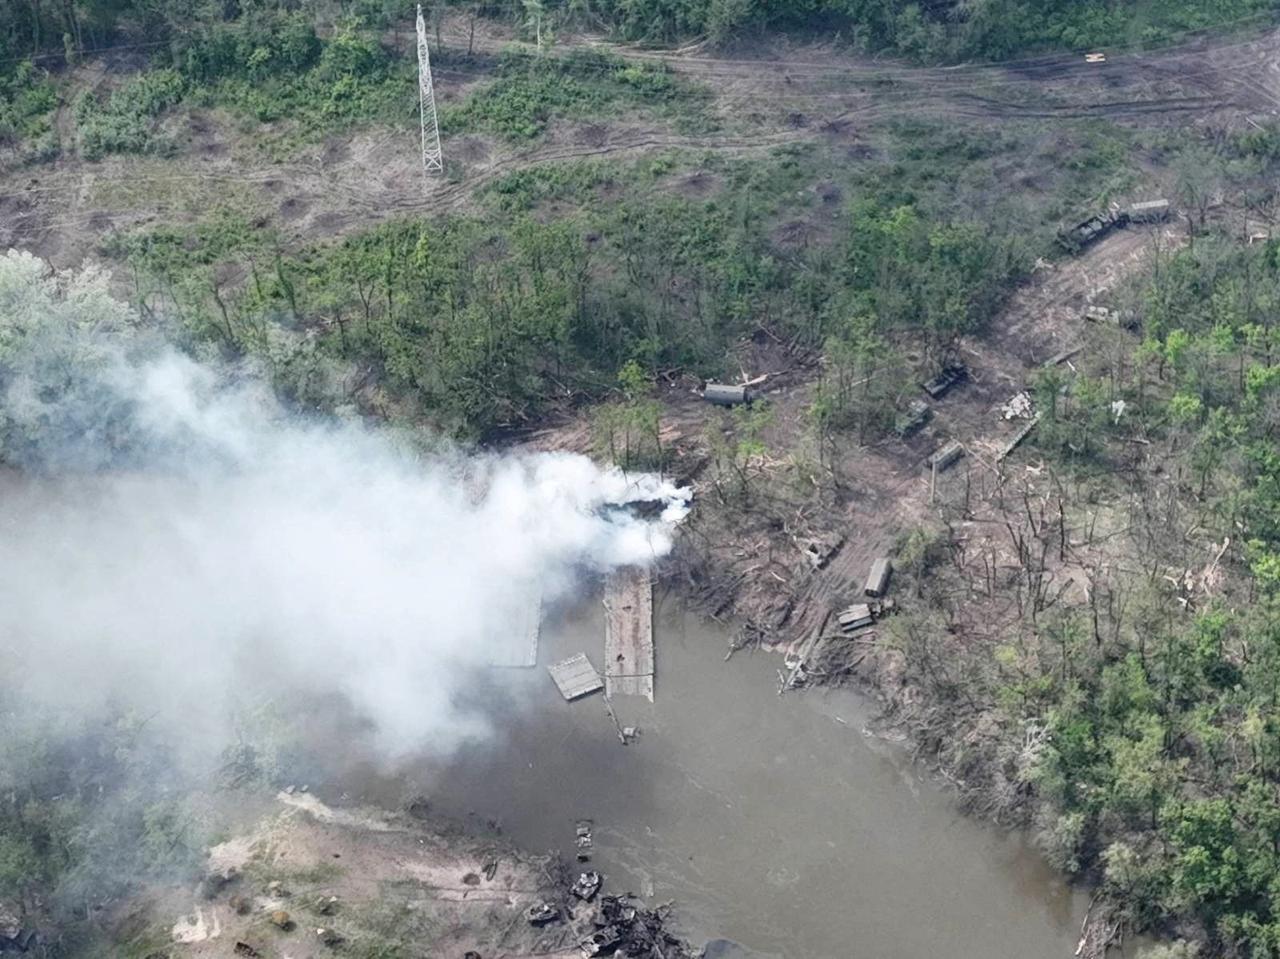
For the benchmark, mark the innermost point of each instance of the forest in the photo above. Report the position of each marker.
(958, 29)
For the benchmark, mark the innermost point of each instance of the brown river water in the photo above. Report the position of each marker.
(774, 821)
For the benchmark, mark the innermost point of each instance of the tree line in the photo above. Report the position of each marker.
(923, 29)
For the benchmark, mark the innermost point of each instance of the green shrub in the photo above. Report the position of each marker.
(126, 121)
(27, 101)
(529, 91)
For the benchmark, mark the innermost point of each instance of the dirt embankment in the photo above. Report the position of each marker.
(749, 557)
(310, 881)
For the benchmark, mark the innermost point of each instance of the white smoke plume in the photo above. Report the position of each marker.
(169, 532)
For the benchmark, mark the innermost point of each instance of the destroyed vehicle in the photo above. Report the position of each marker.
(330, 937)
(587, 886)
(912, 420)
(947, 377)
(615, 911)
(583, 839)
(541, 913)
(819, 551)
(602, 942)
(856, 617)
(878, 578)
(723, 394)
(1076, 238)
(1126, 319)
(1149, 211)
(945, 456)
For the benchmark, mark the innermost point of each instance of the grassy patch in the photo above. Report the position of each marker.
(1026, 176)
(269, 69)
(126, 122)
(28, 100)
(171, 251)
(530, 91)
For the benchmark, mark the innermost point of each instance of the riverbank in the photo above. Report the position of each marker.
(777, 822)
(305, 879)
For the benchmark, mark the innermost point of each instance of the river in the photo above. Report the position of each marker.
(774, 821)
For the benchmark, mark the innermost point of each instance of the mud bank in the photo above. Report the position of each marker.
(776, 822)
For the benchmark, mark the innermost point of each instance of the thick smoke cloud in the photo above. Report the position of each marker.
(171, 532)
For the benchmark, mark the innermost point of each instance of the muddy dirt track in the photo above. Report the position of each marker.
(782, 95)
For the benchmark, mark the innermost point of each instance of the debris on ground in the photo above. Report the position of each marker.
(244, 949)
(587, 886)
(819, 550)
(327, 905)
(16, 937)
(602, 941)
(625, 928)
(281, 919)
(1018, 407)
(330, 937)
(240, 904)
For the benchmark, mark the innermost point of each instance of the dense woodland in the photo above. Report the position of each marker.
(930, 30)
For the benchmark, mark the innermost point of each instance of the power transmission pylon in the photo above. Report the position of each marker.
(432, 158)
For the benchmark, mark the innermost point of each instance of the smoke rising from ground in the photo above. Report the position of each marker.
(173, 533)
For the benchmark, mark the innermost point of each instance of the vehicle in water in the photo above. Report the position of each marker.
(583, 840)
(602, 942)
(587, 886)
(615, 911)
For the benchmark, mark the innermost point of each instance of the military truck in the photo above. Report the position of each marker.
(1076, 238)
(947, 377)
(945, 456)
(1148, 211)
(912, 420)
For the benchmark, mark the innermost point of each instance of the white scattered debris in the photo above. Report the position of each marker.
(228, 858)
(1019, 407)
(194, 928)
(1117, 409)
(323, 813)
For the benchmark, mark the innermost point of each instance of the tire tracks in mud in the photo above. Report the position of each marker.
(365, 205)
(1200, 80)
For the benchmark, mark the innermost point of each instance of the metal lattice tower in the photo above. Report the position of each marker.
(432, 158)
